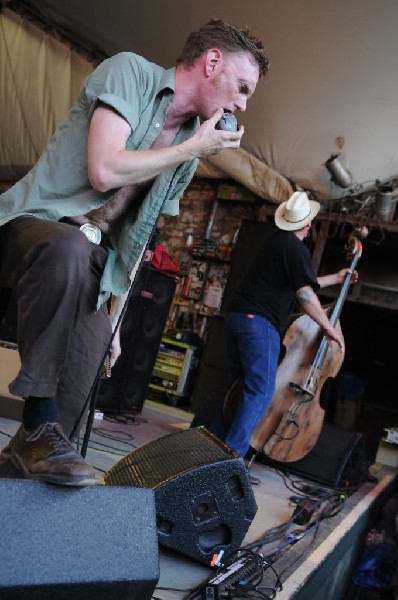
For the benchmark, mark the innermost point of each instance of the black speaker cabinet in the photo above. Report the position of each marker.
(140, 335)
(338, 459)
(213, 377)
(92, 543)
(215, 349)
(211, 385)
(203, 497)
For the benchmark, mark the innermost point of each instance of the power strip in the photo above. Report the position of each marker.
(226, 583)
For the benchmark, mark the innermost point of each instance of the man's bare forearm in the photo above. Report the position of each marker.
(327, 280)
(111, 165)
(337, 278)
(310, 304)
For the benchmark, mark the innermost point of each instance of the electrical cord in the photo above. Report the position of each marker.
(326, 504)
(312, 491)
(314, 529)
(125, 437)
(271, 535)
(255, 587)
(100, 447)
(125, 419)
(312, 505)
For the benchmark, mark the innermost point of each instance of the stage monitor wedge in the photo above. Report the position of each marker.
(337, 460)
(92, 543)
(204, 500)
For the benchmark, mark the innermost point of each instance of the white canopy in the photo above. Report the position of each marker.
(332, 87)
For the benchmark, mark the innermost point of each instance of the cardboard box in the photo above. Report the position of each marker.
(387, 454)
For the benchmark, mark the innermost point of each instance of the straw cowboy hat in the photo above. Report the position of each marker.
(296, 212)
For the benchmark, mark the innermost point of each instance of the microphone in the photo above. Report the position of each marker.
(227, 122)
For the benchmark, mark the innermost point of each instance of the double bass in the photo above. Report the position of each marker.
(292, 422)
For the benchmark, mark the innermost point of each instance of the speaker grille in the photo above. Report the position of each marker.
(157, 462)
(140, 335)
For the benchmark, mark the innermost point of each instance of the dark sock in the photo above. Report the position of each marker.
(37, 411)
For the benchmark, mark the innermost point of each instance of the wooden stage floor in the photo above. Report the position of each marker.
(317, 566)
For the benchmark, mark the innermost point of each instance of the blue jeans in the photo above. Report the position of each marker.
(253, 346)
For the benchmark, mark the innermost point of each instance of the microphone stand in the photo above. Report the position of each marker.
(92, 396)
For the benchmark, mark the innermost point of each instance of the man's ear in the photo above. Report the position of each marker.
(213, 60)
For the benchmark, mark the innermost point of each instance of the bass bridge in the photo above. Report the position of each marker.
(308, 390)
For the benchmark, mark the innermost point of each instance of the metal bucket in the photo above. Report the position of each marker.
(340, 175)
(383, 202)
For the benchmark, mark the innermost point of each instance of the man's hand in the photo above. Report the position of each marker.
(332, 335)
(208, 140)
(115, 349)
(340, 275)
(337, 278)
(312, 307)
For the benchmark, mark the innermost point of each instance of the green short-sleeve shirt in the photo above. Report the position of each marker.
(58, 185)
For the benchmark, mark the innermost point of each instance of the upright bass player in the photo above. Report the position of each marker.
(261, 309)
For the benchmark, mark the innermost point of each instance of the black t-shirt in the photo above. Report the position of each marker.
(282, 267)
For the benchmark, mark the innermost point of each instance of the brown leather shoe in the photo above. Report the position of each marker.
(46, 454)
(7, 468)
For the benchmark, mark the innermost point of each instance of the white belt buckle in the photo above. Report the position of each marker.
(92, 232)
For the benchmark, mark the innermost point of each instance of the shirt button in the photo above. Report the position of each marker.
(157, 125)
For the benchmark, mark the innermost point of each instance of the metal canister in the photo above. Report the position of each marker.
(383, 202)
(340, 175)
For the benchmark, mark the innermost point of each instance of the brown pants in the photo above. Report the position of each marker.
(55, 272)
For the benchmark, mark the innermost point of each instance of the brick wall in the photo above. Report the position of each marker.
(201, 213)
(196, 209)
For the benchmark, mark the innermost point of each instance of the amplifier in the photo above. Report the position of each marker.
(174, 368)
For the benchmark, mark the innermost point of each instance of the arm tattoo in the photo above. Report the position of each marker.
(304, 296)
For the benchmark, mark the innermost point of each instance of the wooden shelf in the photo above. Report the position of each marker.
(377, 267)
(340, 219)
